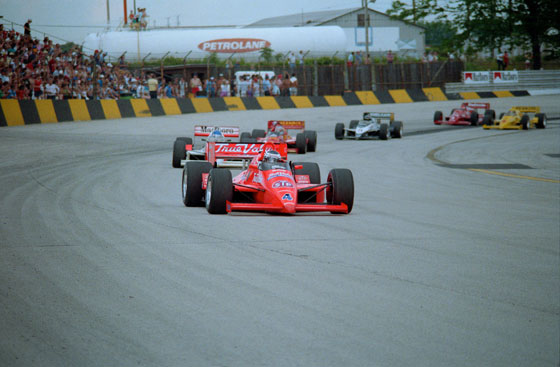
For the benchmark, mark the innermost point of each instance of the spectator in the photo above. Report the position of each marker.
(300, 58)
(350, 60)
(196, 85)
(500, 60)
(528, 58)
(51, 89)
(153, 86)
(390, 57)
(285, 89)
(359, 60)
(505, 59)
(266, 85)
(292, 61)
(293, 85)
(27, 28)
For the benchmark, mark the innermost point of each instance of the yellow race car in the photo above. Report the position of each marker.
(517, 118)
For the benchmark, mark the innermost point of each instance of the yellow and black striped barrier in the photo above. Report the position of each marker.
(25, 112)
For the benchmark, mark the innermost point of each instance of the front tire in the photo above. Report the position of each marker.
(179, 151)
(525, 122)
(341, 187)
(301, 143)
(487, 120)
(384, 133)
(541, 121)
(397, 129)
(191, 187)
(219, 190)
(311, 137)
(438, 116)
(258, 133)
(339, 131)
(474, 118)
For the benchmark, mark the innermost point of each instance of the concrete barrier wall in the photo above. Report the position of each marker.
(14, 112)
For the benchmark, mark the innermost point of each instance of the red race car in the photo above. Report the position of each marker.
(269, 183)
(277, 132)
(467, 115)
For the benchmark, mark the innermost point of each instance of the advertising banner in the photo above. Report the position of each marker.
(476, 77)
(505, 76)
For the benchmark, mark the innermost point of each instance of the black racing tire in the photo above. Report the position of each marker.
(438, 116)
(474, 118)
(245, 137)
(384, 132)
(492, 113)
(341, 187)
(311, 169)
(179, 153)
(353, 124)
(541, 121)
(311, 137)
(219, 190)
(525, 122)
(191, 188)
(339, 131)
(487, 120)
(258, 133)
(301, 143)
(397, 129)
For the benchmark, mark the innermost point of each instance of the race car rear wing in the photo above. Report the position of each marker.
(527, 109)
(379, 115)
(239, 154)
(229, 132)
(288, 125)
(476, 105)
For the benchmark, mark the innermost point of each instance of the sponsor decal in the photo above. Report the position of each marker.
(506, 76)
(474, 77)
(287, 197)
(278, 184)
(234, 45)
(278, 174)
(303, 179)
(288, 124)
(380, 115)
(201, 130)
(257, 178)
(238, 148)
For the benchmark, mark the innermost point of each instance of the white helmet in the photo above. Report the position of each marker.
(272, 156)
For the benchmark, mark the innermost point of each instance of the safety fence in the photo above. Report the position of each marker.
(24, 112)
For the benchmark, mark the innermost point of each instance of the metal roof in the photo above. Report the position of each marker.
(302, 19)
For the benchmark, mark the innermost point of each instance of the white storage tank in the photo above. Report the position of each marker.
(241, 42)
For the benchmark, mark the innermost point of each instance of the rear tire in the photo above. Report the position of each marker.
(353, 124)
(339, 131)
(311, 137)
(312, 170)
(258, 133)
(179, 153)
(525, 122)
(492, 113)
(474, 118)
(341, 189)
(301, 143)
(541, 123)
(487, 120)
(245, 137)
(384, 133)
(219, 190)
(397, 129)
(438, 116)
(191, 189)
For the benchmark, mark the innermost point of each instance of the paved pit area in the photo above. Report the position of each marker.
(450, 256)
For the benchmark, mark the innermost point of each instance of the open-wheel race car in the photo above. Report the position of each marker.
(467, 115)
(278, 132)
(380, 125)
(183, 147)
(519, 118)
(269, 183)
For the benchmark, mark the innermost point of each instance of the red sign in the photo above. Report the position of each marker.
(234, 45)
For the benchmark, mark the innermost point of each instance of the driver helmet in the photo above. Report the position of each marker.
(216, 135)
(272, 156)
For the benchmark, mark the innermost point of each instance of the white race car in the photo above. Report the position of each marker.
(184, 149)
(372, 125)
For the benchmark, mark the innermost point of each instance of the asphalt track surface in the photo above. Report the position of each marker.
(449, 258)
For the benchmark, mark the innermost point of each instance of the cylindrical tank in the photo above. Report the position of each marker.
(241, 42)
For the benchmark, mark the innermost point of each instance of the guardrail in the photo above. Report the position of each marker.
(528, 80)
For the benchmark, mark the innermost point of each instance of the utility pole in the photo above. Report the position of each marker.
(108, 16)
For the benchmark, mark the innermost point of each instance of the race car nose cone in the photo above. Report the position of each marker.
(289, 207)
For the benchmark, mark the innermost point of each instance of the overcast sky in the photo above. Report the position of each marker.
(72, 20)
